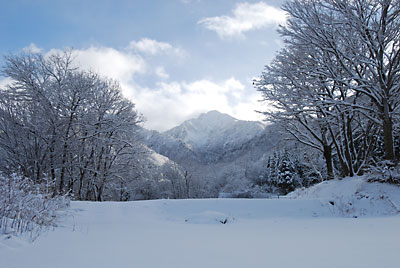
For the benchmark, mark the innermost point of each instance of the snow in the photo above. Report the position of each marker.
(214, 129)
(354, 197)
(157, 159)
(300, 230)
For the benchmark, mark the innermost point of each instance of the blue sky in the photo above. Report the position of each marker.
(173, 58)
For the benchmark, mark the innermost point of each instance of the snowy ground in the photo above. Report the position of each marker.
(302, 230)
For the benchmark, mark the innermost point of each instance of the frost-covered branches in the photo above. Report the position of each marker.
(25, 208)
(71, 126)
(336, 83)
(362, 39)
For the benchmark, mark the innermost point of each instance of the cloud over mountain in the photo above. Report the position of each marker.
(167, 102)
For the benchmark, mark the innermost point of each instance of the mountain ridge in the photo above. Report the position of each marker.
(206, 139)
(212, 129)
(225, 154)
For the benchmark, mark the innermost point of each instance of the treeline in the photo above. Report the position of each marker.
(68, 130)
(335, 86)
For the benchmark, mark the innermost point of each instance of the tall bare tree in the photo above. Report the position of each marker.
(71, 126)
(363, 39)
(335, 85)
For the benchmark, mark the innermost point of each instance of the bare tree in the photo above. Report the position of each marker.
(335, 85)
(72, 126)
(362, 38)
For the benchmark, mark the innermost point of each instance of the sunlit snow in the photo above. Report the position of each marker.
(302, 230)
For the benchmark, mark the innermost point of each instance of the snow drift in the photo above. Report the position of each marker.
(353, 197)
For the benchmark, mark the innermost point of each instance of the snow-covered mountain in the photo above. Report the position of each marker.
(215, 147)
(216, 131)
(210, 138)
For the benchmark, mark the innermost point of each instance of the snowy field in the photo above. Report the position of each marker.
(345, 223)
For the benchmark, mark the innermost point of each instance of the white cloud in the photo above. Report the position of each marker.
(32, 48)
(189, 1)
(245, 17)
(5, 81)
(172, 103)
(149, 46)
(110, 62)
(246, 110)
(167, 104)
(160, 72)
(153, 47)
(125, 63)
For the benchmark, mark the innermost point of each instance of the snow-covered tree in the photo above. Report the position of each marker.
(71, 126)
(298, 101)
(335, 84)
(285, 171)
(362, 38)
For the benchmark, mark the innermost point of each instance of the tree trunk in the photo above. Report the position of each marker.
(388, 133)
(346, 129)
(52, 170)
(329, 162)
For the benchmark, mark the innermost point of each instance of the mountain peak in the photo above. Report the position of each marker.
(215, 115)
(215, 129)
(213, 119)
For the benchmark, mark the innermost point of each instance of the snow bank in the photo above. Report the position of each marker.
(353, 196)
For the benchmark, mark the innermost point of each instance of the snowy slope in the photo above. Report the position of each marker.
(300, 231)
(353, 197)
(167, 145)
(157, 159)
